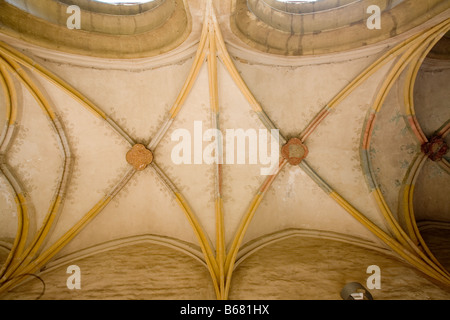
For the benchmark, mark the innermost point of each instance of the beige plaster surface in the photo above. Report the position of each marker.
(143, 271)
(311, 269)
(287, 269)
(431, 194)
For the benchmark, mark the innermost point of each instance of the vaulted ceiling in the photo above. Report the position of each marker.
(91, 119)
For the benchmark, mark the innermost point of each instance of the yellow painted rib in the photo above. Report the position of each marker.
(410, 220)
(6, 93)
(212, 71)
(25, 224)
(20, 228)
(393, 244)
(206, 249)
(243, 227)
(228, 62)
(389, 218)
(232, 253)
(419, 49)
(377, 65)
(193, 74)
(14, 67)
(407, 202)
(39, 238)
(400, 233)
(7, 51)
(199, 232)
(220, 245)
(214, 103)
(44, 257)
(29, 254)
